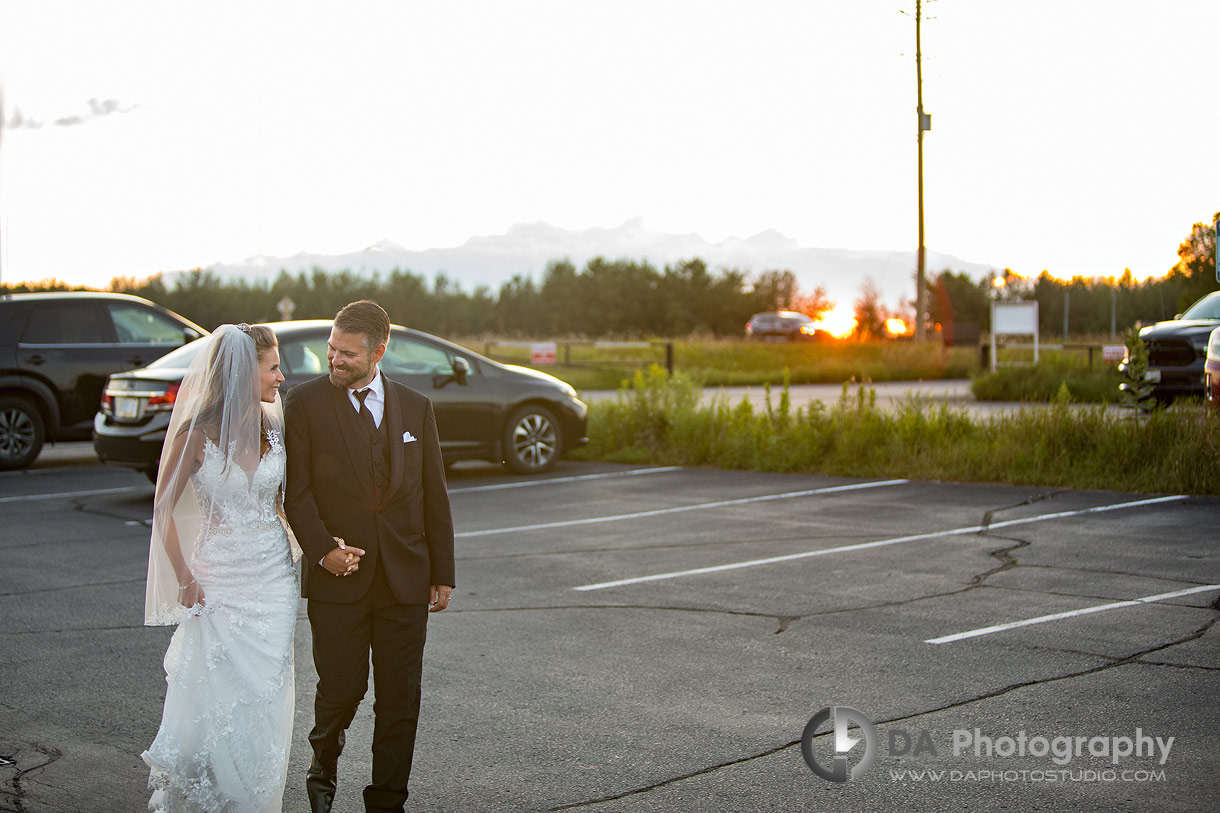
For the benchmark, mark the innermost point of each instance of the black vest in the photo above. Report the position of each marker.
(377, 454)
(379, 445)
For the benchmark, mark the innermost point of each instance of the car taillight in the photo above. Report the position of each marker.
(163, 403)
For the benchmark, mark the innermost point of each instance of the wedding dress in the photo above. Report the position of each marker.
(227, 724)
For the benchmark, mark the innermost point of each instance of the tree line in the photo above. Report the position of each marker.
(606, 298)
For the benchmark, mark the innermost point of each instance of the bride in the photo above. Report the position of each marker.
(221, 567)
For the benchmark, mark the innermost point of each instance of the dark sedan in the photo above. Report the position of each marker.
(485, 410)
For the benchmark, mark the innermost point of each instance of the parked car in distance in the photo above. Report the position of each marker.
(1211, 370)
(56, 350)
(485, 410)
(781, 326)
(1177, 350)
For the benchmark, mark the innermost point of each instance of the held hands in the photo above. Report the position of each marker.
(343, 560)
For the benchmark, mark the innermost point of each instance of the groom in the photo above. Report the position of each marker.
(366, 499)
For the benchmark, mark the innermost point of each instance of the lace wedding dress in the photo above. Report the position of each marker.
(227, 725)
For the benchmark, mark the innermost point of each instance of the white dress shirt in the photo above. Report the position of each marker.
(375, 400)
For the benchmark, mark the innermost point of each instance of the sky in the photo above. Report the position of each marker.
(1076, 136)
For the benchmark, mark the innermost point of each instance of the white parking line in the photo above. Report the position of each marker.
(66, 494)
(973, 529)
(698, 507)
(1042, 619)
(572, 479)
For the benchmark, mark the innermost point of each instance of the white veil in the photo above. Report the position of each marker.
(218, 402)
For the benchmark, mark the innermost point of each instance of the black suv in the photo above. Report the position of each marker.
(1177, 350)
(56, 350)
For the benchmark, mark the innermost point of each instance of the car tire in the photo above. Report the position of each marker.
(22, 432)
(533, 440)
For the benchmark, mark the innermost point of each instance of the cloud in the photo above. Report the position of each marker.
(97, 109)
(18, 121)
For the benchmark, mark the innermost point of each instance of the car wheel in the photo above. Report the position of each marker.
(532, 440)
(22, 432)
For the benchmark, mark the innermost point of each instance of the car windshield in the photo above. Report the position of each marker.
(1206, 308)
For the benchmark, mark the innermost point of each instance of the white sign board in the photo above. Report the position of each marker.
(1009, 319)
(542, 353)
(1113, 352)
(1014, 317)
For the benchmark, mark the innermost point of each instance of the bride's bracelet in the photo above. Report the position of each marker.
(188, 584)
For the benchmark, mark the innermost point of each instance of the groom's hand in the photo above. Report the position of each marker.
(440, 597)
(343, 560)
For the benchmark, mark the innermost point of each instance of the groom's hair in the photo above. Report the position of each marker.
(368, 318)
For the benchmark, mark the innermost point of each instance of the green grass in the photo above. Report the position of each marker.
(739, 362)
(729, 362)
(1043, 381)
(661, 421)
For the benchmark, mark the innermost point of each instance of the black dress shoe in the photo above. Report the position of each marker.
(320, 786)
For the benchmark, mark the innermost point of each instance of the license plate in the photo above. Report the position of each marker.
(1153, 376)
(126, 409)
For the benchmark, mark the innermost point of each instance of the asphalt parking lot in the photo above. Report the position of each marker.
(648, 639)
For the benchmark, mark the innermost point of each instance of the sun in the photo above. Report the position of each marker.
(837, 322)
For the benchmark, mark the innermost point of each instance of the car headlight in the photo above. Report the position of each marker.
(1213, 345)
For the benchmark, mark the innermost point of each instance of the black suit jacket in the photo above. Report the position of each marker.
(330, 493)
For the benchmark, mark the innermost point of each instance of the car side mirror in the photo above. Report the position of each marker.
(461, 368)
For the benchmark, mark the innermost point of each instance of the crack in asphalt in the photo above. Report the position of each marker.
(18, 794)
(1135, 659)
(77, 629)
(81, 508)
(1183, 666)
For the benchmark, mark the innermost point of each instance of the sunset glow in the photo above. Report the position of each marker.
(896, 327)
(837, 322)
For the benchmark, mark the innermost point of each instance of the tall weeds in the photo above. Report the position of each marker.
(660, 420)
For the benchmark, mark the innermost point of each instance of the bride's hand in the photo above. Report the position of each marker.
(191, 594)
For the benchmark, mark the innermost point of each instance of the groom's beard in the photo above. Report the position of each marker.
(347, 374)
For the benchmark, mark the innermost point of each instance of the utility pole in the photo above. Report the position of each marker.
(924, 124)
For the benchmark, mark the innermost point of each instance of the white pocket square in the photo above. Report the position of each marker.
(407, 437)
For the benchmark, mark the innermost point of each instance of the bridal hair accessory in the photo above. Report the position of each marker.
(243, 327)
